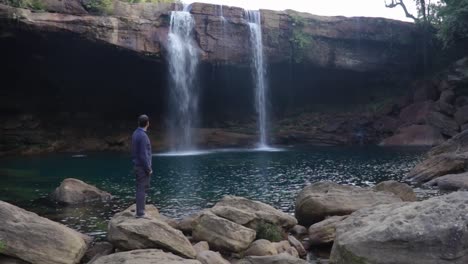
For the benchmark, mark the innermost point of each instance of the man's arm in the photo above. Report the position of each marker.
(141, 154)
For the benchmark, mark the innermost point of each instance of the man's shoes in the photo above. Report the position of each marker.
(143, 216)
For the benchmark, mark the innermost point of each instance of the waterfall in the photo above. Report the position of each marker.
(259, 72)
(183, 61)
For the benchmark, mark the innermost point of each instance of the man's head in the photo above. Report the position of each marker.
(143, 121)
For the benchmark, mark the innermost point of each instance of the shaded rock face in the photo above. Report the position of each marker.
(324, 232)
(127, 233)
(319, 200)
(97, 250)
(434, 231)
(73, 191)
(35, 239)
(144, 256)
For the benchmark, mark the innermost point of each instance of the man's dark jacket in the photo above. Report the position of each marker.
(141, 150)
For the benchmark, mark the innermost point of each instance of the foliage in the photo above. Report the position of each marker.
(299, 40)
(31, 4)
(103, 7)
(453, 26)
(2, 246)
(269, 232)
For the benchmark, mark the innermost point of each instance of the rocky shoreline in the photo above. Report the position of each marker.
(346, 224)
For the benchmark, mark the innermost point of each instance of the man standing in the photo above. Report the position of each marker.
(141, 157)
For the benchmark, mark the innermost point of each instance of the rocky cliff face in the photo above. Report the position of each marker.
(75, 81)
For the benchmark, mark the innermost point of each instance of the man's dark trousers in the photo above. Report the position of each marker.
(143, 180)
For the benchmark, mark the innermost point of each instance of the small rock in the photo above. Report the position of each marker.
(282, 246)
(297, 245)
(293, 252)
(402, 190)
(201, 246)
(324, 232)
(299, 232)
(283, 258)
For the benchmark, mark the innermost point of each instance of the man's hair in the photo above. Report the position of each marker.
(143, 120)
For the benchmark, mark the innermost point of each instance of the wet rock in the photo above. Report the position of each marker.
(324, 232)
(428, 232)
(283, 258)
(415, 135)
(402, 190)
(319, 200)
(299, 232)
(99, 249)
(436, 166)
(261, 247)
(144, 256)
(73, 191)
(211, 257)
(248, 213)
(127, 233)
(297, 245)
(451, 182)
(222, 234)
(201, 246)
(35, 239)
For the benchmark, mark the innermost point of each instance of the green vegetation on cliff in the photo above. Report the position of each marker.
(300, 40)
(30, 4)
(2, 246)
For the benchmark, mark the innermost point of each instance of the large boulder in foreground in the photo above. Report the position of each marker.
(402, 190)
(128, 233)
(144, 256)
(434, 231)
(249, 213)
(35, 239)
(73, 191)
(222, 234)
(319, 200)
(451, 182)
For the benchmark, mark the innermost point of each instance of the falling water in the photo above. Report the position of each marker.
(259, 72)
(183, 61)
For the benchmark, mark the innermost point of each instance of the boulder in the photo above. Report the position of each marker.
(127, 233)
(417, 113)
(402, 190)
(283, 258)
(324, 232)
(73, 191)
(35, 239)
(297, 245)
(436, 166)
(144, 256)
(461, 115)
(201, 246)
(415, 135)
(187, 223)
(248, 213)
(10, 260)
(222, 234)
(261, 247)
(293, 252)
(457, 145)
(451, 182)
(211, 257)
(319, 200)
(299, 232)
(428, 232)
(282, 246)
(99, 249)
(446, 125)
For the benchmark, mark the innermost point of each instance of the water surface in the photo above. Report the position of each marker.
(185, 184)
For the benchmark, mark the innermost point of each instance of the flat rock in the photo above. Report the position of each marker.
(222, 234)
(402, 190)
(451, 182)
(428, 232)
(144, 256)
(436, 166)
(35, 239)
(211, 257)
(128, 233)
(74, 191)
(319, 200)
(282, 258)
(324, 232)
(247, 212)
(415, 135)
